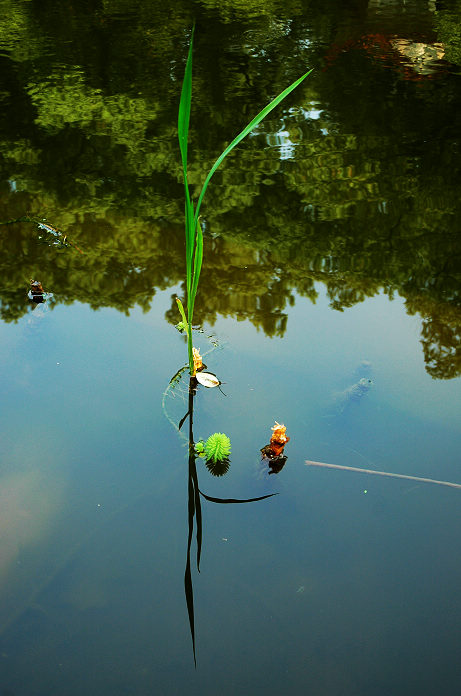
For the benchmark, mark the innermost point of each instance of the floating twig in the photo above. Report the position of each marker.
(382, 473)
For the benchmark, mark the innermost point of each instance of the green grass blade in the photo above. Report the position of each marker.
(189, 211)
(188, 333)
(182, 313)
(193, 230)
(183, 135)
(184, 107)
(257, 119)
(198, 259)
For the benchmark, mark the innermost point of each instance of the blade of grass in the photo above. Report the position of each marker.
(188, 328)
(257, 119)
(182, 313)
(198, 259)
(183, 136)
(190, 243)
(193, 231)
(185, 105)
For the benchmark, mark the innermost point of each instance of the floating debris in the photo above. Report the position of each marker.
(36, 292)
(273, 452)
(58, 236)
(39, 299)
(198, 364)
(381, 473)
(279, 438)
(209, 380)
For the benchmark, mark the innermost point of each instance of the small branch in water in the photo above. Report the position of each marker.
(382, 473)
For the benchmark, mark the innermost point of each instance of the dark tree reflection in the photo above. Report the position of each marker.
(362, 200)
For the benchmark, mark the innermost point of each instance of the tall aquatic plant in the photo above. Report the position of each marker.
(194, 234)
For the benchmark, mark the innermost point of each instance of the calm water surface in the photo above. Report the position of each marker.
(332, 254)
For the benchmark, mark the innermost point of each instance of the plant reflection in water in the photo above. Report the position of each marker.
(217, 466)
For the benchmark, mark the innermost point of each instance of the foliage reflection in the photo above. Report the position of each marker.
(195, 493)
(363, 199)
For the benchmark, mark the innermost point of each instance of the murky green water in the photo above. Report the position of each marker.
(332, 254)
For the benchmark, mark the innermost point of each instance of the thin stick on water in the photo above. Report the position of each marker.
(382, 473)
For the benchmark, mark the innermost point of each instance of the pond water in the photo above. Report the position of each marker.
(332, 255)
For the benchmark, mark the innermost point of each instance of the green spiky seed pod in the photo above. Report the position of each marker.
(217, 447)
